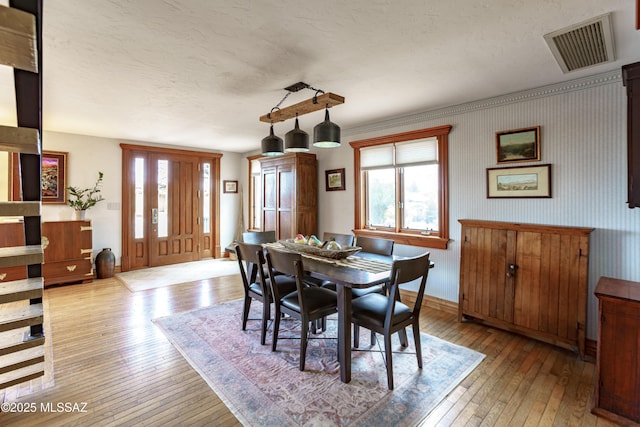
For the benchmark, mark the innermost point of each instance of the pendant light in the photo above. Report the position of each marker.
(296, 140)
(272, 145)
(326, 134)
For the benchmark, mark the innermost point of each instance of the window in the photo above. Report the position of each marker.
(402, 187)
(255, 194)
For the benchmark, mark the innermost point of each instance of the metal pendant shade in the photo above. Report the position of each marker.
(272, 145)
(296, 140)
(326, 134)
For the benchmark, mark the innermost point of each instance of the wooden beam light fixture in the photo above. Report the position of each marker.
(326, 133)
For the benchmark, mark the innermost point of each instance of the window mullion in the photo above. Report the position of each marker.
(399, 199)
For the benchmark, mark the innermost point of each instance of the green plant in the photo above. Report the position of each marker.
(84, 198)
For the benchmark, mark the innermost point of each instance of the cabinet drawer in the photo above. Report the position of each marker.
(9, 274)
(67, 271)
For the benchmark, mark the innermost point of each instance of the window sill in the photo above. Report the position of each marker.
(406, 239)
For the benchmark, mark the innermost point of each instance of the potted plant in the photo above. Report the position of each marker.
(81, 199)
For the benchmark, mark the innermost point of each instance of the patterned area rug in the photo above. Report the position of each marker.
(263, 388)
(167, 275)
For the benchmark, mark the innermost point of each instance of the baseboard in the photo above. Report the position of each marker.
(431, 302)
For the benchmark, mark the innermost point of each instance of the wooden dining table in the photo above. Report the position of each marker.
(347, 277)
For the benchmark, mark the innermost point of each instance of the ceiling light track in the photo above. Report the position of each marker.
(326, 134)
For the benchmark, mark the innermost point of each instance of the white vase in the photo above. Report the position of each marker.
(80, 214)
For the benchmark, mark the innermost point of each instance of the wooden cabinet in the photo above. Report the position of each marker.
(526, 278)
(290, 194)
(617, 394)
(631, 79)
(67, 251)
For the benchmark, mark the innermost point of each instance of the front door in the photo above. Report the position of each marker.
(173, 201)
(169, 206)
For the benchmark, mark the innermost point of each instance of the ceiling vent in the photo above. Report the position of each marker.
(583, 45)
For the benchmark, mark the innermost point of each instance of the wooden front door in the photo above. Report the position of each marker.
(170, 206)
(173, 190)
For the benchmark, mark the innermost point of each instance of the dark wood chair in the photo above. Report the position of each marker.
(387, 315)
(257, 284)
(307, 303)
(371, 245)
(259, 236)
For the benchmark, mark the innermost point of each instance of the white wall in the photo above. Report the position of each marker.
(583, 133)
(88, 155)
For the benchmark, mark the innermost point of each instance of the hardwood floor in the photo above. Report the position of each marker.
(109, 354)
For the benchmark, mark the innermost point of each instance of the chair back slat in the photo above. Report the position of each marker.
(404, 271)
(250, 255)
(288, 263)
(257, 237)
(375, 245)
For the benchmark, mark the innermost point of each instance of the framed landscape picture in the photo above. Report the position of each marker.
(334, 179)
(230, 186)
(518, 145)
(519, 181)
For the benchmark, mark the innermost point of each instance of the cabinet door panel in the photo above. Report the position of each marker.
(527, 291)
(487, 292)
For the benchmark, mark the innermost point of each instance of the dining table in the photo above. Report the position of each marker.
(357, 271)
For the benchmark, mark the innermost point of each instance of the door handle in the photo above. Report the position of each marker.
(511, 270)
(154, 216)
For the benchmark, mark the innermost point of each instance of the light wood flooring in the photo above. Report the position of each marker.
(109, 354)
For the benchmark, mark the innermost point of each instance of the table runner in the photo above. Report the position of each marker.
(354, 261)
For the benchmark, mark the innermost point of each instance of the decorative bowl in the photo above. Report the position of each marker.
(314, 250)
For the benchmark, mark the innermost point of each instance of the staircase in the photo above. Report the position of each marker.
(21, 311)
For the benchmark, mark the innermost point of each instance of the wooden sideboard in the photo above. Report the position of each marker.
(617, 386)
(67, 251)
(526, 278)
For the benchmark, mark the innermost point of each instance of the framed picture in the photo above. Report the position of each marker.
(334, 179)
(230, 186)
(519, 181)
(519, 145)
(53, 177)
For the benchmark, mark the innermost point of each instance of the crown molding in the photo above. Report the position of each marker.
(510, 98)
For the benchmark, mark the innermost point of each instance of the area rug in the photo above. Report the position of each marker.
(265, 388)
(157, 277)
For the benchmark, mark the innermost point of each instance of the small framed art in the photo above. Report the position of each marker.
(53, 178)
(519, 181)
(230, 186)
(334, 179)
(518, 145)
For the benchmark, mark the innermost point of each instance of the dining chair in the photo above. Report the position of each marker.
(387, 315)
(307, 303)
(257, 284)
(372, 245)
(259, 236)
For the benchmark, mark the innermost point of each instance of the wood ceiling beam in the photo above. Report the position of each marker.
(304, 107)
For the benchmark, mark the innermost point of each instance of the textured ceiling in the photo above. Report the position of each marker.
(200, 73)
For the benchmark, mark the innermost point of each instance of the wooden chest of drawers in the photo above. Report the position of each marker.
(67, 251)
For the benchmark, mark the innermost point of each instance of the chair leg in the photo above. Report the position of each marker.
(388, 356)
(276, 327)
(245, 312)
(416, 340)
(404, 342)
(356, 336)
(304, 336)
(266, 313)
(373, 338)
